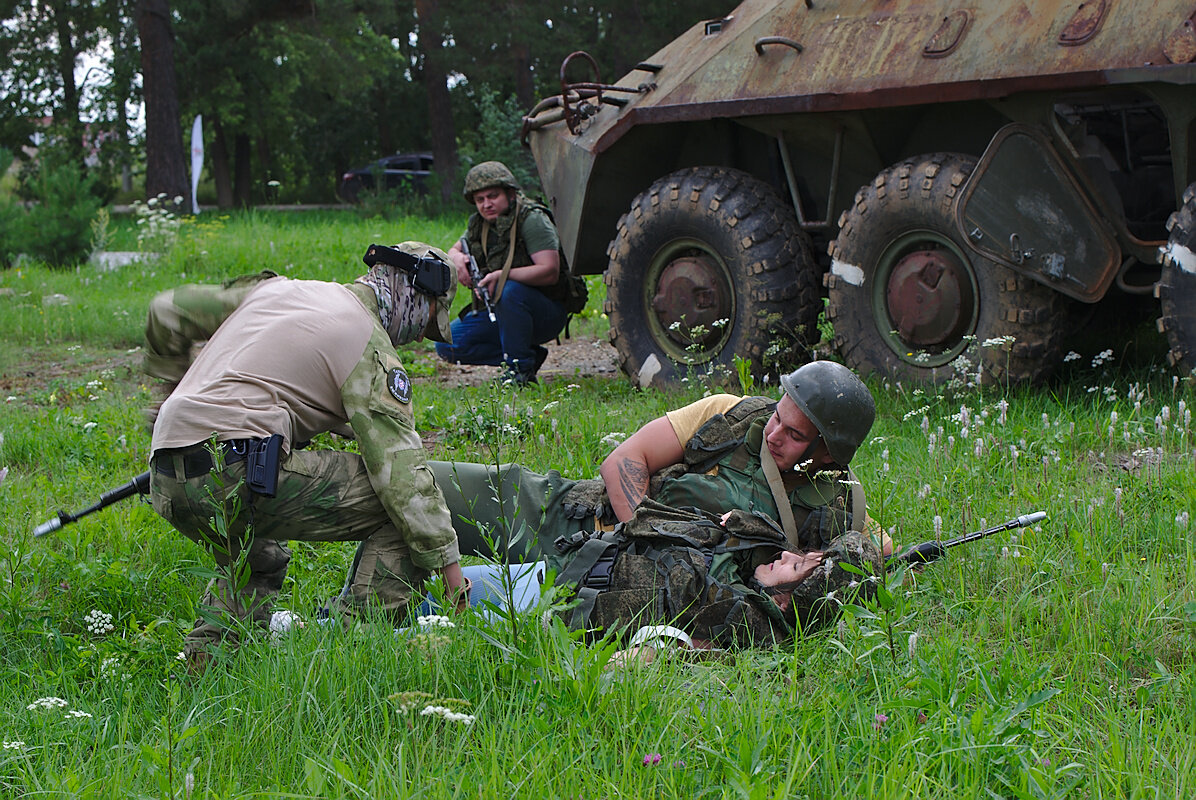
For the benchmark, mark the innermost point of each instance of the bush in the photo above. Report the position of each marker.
(497, 139)
(56, 229)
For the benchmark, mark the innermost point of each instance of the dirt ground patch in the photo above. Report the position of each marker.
(575, 356)
(46, 368)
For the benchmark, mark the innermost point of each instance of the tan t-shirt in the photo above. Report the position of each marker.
(688, 419)
(240, 390)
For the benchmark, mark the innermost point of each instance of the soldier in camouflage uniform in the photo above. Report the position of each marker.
(295, 358)
(731, 445)
(517, 250)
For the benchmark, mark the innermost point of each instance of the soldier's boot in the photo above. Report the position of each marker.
(240, 599)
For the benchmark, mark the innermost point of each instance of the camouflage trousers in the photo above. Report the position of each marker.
(519, 510)
(322, 496)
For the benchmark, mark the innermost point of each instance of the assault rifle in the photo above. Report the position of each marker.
(139, 485)
(475, 274)
(930, 551)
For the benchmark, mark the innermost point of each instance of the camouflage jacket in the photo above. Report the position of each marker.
(683, 567)
(675, 566)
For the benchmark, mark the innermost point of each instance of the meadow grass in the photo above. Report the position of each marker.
(1054, 661)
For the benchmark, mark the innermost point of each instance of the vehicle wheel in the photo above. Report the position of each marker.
(1177, 286)
(908, 299)
(708, 264)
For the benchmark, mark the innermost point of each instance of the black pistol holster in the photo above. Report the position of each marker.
(262, 461)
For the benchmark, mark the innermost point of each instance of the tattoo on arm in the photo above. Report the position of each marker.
(633, 481)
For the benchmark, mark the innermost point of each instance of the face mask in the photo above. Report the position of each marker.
(404, 311)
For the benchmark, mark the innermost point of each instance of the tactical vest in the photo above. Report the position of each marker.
(677, 566)
(498, 242)
(721, 470)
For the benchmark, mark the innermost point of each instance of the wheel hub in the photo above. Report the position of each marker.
(930, 298)
(690, 298)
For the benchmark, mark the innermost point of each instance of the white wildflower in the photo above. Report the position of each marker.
(99, 622)
(435, 621)
(447, 713)
(46, 703)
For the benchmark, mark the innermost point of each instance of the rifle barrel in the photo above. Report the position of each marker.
(139, 485)
(935, 549)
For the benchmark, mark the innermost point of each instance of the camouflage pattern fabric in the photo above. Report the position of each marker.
(487, 174)
(681, 567)
(492, 257)
(322, 496)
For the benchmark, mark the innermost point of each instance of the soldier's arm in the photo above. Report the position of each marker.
(180, 317)
(630, 466)
(396, 464)
(543, 271)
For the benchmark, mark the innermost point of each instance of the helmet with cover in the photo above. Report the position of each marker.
(487, 174)
(836, 401)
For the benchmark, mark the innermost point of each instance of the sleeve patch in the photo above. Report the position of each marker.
(399, 385)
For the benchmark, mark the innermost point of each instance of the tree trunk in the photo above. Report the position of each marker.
(242, 148)
(67, 115)
(221, 173)
(525, 83)
(440, 112)
(165, 167)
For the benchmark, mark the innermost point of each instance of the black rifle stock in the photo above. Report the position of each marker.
(935, 549)
(139, 485)
(475, 274)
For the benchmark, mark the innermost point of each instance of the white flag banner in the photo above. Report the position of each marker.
(196, 160)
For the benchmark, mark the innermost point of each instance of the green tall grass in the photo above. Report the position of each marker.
(1054, 662)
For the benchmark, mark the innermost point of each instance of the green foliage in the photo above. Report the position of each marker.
(56, 227)
(497, 139)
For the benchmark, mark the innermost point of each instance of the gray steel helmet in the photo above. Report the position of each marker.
(836, 401)
(487, 174)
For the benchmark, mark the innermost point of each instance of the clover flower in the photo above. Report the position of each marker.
(46, 703)
(652, 759)
(98, 622)
(879, 721)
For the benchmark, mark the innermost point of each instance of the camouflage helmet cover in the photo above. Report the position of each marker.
(487, 174)
(438, 327)
(836, 401)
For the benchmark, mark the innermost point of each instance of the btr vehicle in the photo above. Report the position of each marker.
(965, 180)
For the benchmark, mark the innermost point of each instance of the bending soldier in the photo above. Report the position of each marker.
(283, 361)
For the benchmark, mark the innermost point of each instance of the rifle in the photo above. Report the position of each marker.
(139, 485)
(929, 551)
(475, 274)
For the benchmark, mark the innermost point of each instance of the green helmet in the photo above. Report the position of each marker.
(487, 174)
(836, 401)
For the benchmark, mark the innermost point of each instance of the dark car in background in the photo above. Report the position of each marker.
(402, 171)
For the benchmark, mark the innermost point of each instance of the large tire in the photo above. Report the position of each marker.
(908, 299)
(1177, 286)
(701, 245)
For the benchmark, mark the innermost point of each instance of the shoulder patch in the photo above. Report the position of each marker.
(399, 385)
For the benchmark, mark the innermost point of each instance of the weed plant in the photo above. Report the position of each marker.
(1054, 661)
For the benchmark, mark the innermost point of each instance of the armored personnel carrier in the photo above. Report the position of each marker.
(951, 180)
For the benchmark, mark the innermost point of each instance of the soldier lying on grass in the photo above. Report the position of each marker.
(646, 543)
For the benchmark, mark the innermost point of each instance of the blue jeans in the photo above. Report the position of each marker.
(526, 319)
(486, 580)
